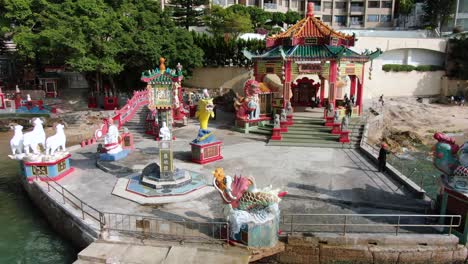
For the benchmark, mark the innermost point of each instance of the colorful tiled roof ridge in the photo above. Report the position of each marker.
(311, 27)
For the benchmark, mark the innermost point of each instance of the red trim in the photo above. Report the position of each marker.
(58, 177)
(46, 163)
(208, 144)
(165, 195)
(336, 129)
(219, 157)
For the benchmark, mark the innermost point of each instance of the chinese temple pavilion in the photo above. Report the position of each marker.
(312, 48)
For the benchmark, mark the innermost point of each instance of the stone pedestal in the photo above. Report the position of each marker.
(290, 121)
(114, 156)
(329, 121)
(284, 126)
(205, 153)
(258, 234)
(276, 134)
(344, 137)
(336, 129)
(92, 102)
(47, 171)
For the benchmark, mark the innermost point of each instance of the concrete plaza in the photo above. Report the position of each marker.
(318, 180)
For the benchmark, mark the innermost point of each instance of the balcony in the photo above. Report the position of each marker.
(270, 6)
(357, 9)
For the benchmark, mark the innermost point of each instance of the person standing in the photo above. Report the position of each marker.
(383, 157)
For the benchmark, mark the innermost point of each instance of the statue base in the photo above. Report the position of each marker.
(329, 121)
(276, 134)
(254, 233)
(344, 137)
(336, 129)
(290, 120)
(244, 125)
(158, 180)
(206, 153)
(47, 171)
(284, 126)
(114, 156)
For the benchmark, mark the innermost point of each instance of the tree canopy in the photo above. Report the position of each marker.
(232, 20)
(97, 36)
(188, 12)
(438, 12)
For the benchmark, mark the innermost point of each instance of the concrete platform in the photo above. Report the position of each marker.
(104, 252)
(318, 180)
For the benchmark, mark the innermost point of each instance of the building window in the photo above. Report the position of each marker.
(294, 3)
(385, 18)
(327, 5)
(373, 18)
(356, 20)
(340, 5)
(386, 4)
(373, 4)
(326, 18)
(340, 20)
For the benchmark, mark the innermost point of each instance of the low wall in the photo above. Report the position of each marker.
(376, 249)
(454, 87)
(391, 84)
(215, 78)
(61, 220)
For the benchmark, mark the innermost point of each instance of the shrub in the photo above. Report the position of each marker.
(408, 68)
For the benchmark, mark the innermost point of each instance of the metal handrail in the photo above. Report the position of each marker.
(292, 225)
(63, 192)
(186, 230)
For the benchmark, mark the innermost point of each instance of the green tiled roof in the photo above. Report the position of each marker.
(319, 52)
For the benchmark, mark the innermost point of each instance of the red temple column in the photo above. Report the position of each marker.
(287, 82)
(331, 83)
(359, 94)
(322, 91)
(353, 85)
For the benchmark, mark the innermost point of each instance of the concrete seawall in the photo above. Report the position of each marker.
(60, 218)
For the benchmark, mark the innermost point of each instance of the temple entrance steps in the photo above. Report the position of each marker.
(312, 132)
(136, 125)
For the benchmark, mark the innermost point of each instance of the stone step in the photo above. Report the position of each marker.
(316, 144)
(309, 136)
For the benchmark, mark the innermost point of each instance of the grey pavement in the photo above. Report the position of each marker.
(318, 180)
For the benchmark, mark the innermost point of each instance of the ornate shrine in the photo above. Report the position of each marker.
(312, 48)
(165, 96)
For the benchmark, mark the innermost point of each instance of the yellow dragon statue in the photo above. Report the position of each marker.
(204, 112)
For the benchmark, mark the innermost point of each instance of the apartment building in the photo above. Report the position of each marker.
(336, 13)
(460, 18)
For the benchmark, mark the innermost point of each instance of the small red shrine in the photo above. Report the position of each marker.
(310, 47)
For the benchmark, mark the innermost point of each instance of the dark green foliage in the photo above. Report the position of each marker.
(291, 17)
(438, 12)
(458, 55)
(232, 20)
(102, 38)
(408, 68)
(219, 51)
(188, 12)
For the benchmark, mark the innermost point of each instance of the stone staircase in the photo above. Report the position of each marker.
(136, 125)
(312, 132)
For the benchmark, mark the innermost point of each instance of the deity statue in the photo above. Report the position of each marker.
(344, 123)
(330, 110)
(284, 117)
(276, 123)
(245, 203)
(111, 139)
(164, 132)
(336, 117)
(289, 108)
(248, 107)
(204, 112)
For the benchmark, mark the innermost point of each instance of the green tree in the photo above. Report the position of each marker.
(458, 55)
(291, 17)
(103, 39)
(258, 16)
(278, 18)
(438, 12)
(189, 12)
(404, 9)
(233, 21)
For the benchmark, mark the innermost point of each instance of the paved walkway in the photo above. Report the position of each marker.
(318, 180)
